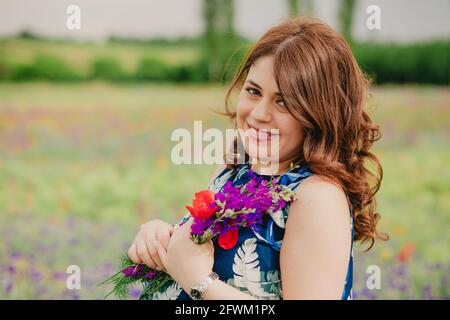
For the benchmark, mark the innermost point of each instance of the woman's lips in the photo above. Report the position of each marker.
(259, 135)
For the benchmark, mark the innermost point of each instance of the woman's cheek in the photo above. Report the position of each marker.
(291, 137)
(241, 114)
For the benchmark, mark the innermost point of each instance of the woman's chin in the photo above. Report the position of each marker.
(259, 154)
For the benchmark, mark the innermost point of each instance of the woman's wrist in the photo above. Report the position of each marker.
(220, 290)
(209, 293)
(192, 281)
(197, 291)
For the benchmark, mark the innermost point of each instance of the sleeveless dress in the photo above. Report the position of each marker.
(252, 265)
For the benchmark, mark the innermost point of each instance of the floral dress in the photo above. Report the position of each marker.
(252, 265)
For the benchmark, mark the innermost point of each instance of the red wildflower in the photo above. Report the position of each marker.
(229, 239)
(202, 205)
(406, 252)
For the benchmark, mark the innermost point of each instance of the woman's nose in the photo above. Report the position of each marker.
(261, 111)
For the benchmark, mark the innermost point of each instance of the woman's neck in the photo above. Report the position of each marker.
(271, 168)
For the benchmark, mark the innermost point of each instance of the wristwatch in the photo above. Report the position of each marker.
(198, 291)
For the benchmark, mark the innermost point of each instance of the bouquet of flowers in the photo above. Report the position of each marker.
(214, 215)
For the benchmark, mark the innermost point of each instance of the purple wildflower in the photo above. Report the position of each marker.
(75, 296)
(150, 275)
(427, 292)
(247, 204)
(135, 292)
(35, 275)
(133, 271)
(59, 275)
(11, 269)
(9, 288)
(16, 255)
(200, 225)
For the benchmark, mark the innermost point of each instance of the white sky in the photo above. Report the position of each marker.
(401, 20)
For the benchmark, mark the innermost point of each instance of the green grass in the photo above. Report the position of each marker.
(81, 54)
(82, 165)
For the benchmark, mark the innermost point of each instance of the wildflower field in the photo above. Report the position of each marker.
(83, 165)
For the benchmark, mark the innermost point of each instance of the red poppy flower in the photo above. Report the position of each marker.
(202, 205)
(229, 239)
(406, 252)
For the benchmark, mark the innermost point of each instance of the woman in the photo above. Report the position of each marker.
(302, 80)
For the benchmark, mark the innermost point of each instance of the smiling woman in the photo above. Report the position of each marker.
(260, 110)
(299, 86)
(302, 79)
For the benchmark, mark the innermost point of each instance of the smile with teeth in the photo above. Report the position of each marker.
(259, 134)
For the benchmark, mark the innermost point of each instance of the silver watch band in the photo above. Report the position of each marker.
(205, 282)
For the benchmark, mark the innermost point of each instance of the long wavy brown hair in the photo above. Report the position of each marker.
(326, 91)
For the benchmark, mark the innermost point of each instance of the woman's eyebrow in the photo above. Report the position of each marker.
(259, 87)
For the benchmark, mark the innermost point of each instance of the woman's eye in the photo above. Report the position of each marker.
(281, 106)
(253, 92)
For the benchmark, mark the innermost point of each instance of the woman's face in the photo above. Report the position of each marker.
(260, 110)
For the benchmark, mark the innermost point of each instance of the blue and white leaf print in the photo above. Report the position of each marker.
(278, 218)
(218, 183)
(271, 282)
(170, 293)
(241, 173)
(246, 269)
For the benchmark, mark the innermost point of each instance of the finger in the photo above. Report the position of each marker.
(211, 245)
(155, 256)
(162, 253)
(133, 254)
(144, 254)
(186, 228)
(164, 237)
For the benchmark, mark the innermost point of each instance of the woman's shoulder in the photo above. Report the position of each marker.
(320, 200)
(317, 187)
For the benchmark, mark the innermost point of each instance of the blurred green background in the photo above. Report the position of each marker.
(85, 150)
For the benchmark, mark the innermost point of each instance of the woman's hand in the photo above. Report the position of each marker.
(185, 261)
(143, 249)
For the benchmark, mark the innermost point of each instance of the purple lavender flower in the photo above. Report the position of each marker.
(16, 255)
(135, 292)
(200, 225)
(9, 288)
(35, 275)
(150, 275)
(427, 292)
(241, 205)
(133, 271)
(59, 275)
(11, 269)
(75, 296)
(368, 294)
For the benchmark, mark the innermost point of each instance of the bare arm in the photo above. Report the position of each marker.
(219, 290)
(316, 245)
(188, 263)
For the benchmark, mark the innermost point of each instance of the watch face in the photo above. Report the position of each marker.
(196, 294)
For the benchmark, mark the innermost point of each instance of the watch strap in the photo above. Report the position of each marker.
(205, 282)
